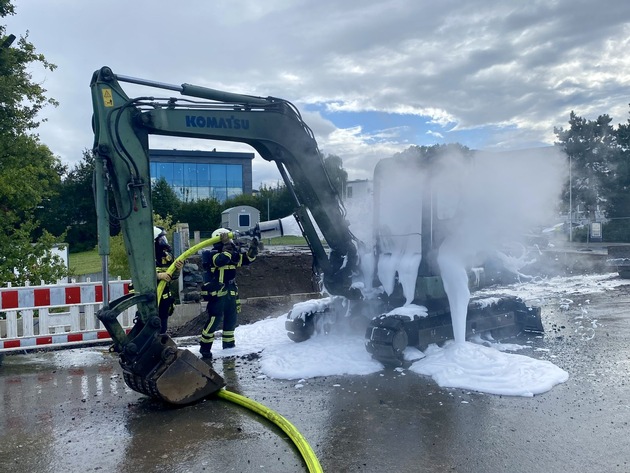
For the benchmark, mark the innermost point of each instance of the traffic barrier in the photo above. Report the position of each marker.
(58, 314)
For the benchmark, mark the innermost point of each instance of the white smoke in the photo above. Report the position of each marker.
(501, 197)
(495, 199)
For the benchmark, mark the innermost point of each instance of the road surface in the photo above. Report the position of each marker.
(70, 411)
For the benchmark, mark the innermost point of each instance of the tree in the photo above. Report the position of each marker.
(28, 169)
(337, 174)
(165, 201)
(591, 148)
(72, 212)
(618, 203)
(201, 215)
(275, 202)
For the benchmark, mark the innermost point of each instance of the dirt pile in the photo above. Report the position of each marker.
(267, 287)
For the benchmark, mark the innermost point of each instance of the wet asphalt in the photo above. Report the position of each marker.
(70, 411)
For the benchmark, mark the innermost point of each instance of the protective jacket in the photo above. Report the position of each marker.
(221, 292)
(220, 270)
(163, 260)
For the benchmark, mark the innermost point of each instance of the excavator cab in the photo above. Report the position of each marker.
(417, 205)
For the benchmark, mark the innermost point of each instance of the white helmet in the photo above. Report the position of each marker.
(157, 231)
(219, 231)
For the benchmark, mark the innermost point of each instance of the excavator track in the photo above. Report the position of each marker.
(300, 329)
(387, 336)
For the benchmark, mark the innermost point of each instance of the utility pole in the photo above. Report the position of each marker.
(570, 201)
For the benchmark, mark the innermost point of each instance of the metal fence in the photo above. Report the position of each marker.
(33, 317)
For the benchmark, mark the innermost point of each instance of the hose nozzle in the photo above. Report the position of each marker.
(270, 229)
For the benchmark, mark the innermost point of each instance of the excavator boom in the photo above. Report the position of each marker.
(122, 126)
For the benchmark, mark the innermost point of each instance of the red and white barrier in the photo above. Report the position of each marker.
(60, 314)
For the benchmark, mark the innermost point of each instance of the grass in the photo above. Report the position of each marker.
(285, 240)
(87, 262)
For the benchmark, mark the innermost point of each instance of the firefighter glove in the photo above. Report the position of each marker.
(253, 248)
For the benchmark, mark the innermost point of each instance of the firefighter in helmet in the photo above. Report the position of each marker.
(220, 289)
(163, 259)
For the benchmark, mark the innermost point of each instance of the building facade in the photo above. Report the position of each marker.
(196, 175)
(358, 189)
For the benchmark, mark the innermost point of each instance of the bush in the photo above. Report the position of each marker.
(616, 231)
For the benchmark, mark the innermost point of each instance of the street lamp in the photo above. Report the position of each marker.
(570, 202)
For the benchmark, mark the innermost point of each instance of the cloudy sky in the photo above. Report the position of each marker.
(370, 77)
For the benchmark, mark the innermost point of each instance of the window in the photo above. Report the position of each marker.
(203, 176)
(190, 175)
(234, 175)
(219, 193)
(178, 175)
(165, 170)
(217, 175)
(194, 181)
(153, 172)
(243, 220)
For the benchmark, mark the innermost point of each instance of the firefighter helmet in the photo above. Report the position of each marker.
(219, 231)
(157, 231)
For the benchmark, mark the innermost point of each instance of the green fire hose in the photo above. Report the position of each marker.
(296, 437)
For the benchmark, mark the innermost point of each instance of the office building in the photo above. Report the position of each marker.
(196, 175)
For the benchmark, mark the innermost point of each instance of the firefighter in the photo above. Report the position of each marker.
(220, 289)
(163, 259)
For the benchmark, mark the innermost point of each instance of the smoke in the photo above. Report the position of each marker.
(500, 198)
(487, 204)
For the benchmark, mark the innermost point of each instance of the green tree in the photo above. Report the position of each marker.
(243, 199)
(165, 201)
(618, 201)
(276, 202)
(336, 173)
(28, 169)
(72, 210)
(591, 148)
(201, 215)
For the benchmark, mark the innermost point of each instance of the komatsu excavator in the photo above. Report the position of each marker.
(152, 363)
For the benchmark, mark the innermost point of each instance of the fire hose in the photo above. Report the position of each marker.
(296, 437)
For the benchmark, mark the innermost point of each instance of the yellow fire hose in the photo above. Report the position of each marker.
(298, 439)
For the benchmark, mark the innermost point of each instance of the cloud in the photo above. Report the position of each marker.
(484, 72)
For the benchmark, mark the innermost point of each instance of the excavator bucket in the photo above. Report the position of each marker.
(175, 375)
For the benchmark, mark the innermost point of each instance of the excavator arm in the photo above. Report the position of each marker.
(122, 126)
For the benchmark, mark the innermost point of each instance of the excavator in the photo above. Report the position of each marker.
(152, 363)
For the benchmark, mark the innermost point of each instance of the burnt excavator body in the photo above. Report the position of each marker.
(416, 206)
(368, 282)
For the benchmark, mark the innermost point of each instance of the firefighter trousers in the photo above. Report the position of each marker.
(222, 313)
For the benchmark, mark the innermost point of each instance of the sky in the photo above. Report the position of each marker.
(370, 77)
(482, 365)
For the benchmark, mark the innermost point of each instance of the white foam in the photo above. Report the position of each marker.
(485, 369)
(464, 365)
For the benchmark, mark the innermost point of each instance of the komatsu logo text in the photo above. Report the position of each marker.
(233, 123)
